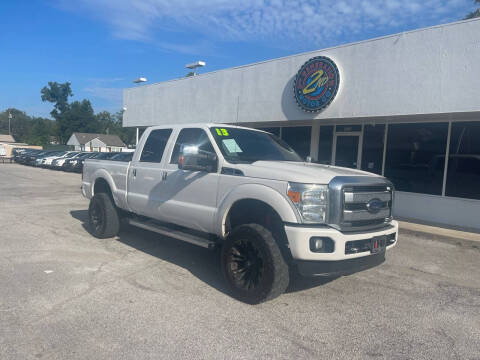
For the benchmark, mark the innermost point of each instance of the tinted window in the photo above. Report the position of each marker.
(372, 153)
(298, 138)
(247, 146)
(123, 156)
(272, 130)
(413, 155)
(155, 145)
(325, 144)
(463, 176)
(191, 137)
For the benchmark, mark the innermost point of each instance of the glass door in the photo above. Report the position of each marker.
(346, 150)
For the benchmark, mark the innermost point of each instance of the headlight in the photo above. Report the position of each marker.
(311, 201)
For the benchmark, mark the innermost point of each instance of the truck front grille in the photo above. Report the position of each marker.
(360, 203)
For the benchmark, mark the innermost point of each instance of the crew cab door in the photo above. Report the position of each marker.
(189, 198)
(146, 173)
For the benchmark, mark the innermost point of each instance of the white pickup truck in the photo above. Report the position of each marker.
(248, 192)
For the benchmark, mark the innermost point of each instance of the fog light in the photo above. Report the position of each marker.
(322, 245)
(391, 239)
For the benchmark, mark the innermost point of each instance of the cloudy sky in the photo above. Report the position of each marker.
(101, 45)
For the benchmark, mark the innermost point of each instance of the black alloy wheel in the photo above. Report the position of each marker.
(103, 216)
(252, 264)
(245, 264)
(97, 216)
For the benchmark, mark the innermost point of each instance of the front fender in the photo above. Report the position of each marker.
(259, 192)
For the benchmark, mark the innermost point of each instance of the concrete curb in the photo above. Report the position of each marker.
(459, 238)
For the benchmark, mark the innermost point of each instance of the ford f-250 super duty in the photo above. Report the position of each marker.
(248, 192)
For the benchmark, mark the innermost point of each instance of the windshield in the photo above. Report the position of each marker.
(247, 146)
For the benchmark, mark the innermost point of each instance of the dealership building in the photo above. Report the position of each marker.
(406, 106)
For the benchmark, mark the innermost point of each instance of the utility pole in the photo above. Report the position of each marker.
(10, 117)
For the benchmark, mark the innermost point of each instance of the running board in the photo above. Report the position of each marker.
(177, 234)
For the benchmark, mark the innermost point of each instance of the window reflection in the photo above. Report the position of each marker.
(325, 144)
(415, 156)
(372, 153)
(298, 138)
(463, 176)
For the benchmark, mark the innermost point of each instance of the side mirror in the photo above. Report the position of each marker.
(197, 160)
(308, 159)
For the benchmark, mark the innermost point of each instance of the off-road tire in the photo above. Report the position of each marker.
(103, 216)
(274, 276)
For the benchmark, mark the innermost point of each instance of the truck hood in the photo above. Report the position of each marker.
(301, 172)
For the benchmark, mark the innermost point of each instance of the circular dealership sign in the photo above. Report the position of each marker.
(316, 84)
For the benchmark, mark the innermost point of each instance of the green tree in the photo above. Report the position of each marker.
(58, 94)
(31, 130)
(20, 124)
(112, 124)
(42, 131)
(474, 14)
(79, 117)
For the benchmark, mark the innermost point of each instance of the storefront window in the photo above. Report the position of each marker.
(325, 144)
(415, 156)
(463, 176)
(372, 152)
(298, 138)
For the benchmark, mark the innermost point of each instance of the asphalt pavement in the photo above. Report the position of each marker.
(67, 295)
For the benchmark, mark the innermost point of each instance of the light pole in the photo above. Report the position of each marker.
(10, 117)
(195, 65)
(138, 81)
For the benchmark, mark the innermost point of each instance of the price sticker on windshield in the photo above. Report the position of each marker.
(222, 132)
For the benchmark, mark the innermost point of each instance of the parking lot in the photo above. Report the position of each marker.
(65, 294)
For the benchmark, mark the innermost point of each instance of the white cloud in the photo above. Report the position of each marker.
(104, 89)
(109, 94)
(317, 21)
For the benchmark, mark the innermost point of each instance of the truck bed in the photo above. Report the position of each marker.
(116, 171)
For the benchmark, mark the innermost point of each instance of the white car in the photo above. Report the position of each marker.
(58, 162)
(47, 161)
(248, 192)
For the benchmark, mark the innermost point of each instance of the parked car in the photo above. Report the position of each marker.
(47, 161)
(76, 162)
(247, 191)
(27, 156)
(20, 154)
(36, 159)
(57, 164)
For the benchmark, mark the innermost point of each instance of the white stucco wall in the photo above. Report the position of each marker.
(429, 71)
(73, 141)
(455, 212)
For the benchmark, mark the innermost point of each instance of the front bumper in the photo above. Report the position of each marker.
(339, 268)
(299, 241)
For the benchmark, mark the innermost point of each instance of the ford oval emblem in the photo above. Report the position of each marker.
(374, 206)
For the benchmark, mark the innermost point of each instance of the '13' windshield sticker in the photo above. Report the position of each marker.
(222, 132)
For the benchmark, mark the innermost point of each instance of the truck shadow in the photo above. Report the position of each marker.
(202, 263)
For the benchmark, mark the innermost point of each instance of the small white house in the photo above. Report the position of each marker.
(96, 142)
